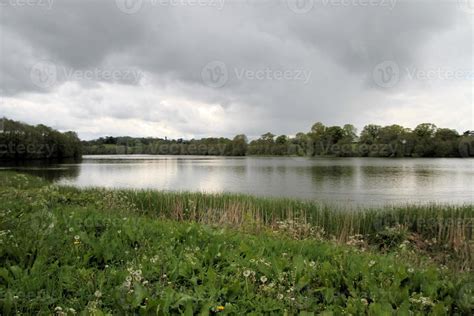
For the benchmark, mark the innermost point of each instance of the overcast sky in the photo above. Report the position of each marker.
(197, 68)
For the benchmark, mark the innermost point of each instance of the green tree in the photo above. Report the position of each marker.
(446, 142)
(424, 140)
(316, 135)
(425, 130)
(333, 135)
(22, 141)
(349, 133)
(370, 134)
(239, 145)
(268, 137)
(281, 140)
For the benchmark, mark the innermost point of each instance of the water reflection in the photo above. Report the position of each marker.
(365, 181)
(50, 170)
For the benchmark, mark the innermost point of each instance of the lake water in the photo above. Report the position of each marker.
(361, 181)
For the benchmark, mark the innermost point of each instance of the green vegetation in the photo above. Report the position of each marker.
(67, 251)
(426, 140)
(442, 230)
(19, 141)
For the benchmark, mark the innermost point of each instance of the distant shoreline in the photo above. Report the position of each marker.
(85, 156)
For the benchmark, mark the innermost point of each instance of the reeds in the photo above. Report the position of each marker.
(447, 224)
(441, 227)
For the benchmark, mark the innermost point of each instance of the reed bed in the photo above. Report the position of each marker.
(447, 225)
(435, 226)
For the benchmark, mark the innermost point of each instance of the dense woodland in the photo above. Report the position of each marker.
(426, 140)
(19, 141)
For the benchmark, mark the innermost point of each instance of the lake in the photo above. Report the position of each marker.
(359, 181)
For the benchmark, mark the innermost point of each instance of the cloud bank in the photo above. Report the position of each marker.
(197, 68)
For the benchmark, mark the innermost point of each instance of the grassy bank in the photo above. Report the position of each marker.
(65, 251)
(445, 232)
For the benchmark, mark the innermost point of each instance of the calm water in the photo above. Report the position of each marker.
(365, 181)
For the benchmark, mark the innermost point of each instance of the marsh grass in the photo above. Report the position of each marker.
(445, 232)
(434, 227)
(450, 223)
(437, 226)
(67, 251)
(441, 226)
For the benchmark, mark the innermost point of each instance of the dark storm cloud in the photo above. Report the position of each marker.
(294, 66)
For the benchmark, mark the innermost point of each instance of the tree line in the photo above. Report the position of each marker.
(20, 141)
(426, 140)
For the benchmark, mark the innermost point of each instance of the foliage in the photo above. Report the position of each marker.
(426, 140)
(19, 141)
(96, 252)
(390, 237)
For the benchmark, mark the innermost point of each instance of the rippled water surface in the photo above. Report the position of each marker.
(365, 181)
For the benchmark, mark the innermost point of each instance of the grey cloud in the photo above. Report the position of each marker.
(170, 45)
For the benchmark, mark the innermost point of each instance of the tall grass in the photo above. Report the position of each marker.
(447, 224)
(61, 258)
(443, 226)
